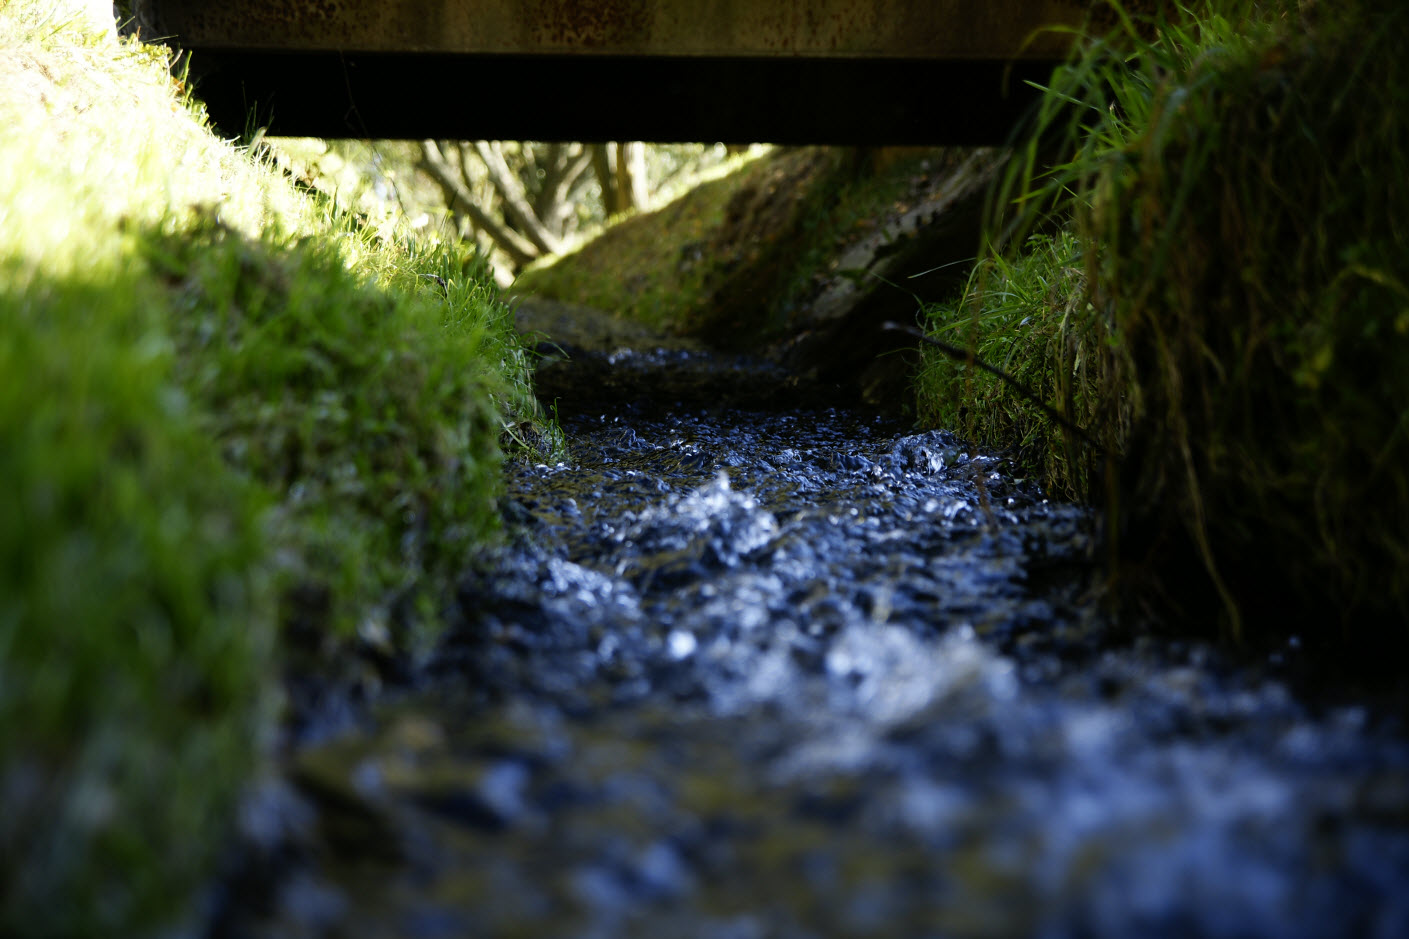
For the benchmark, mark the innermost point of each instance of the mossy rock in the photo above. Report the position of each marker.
(708, 264)
(801, 254)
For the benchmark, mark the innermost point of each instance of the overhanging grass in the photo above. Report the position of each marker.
(216, 400)
(1235, 181)
(1255, 264)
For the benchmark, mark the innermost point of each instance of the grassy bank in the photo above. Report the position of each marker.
(226, 416)
(1225, 310)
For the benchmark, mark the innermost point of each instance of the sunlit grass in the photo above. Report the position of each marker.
(218, 399)
(345, 378)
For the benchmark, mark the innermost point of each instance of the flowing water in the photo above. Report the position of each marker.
(754, 668)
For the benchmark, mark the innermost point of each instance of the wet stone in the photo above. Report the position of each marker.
(748, 672)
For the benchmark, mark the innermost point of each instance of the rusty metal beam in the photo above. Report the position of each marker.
(658, 99)
(787, 71)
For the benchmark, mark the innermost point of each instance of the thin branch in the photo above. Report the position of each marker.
(566, 182)
(461, 200)
(511, 191)
(961, 354)
(573, 175)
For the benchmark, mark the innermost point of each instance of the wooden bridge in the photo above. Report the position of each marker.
(780, 71)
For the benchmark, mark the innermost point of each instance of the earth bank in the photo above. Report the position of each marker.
(1216, 295)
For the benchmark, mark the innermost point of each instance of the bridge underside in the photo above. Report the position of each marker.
(782, 71)
(662, 99)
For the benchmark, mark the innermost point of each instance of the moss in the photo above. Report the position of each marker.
(364, 407)
(634, 268)
(732, 259)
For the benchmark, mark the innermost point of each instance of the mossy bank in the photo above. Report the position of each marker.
(734, 261)
(227, 417)
(1224, 310)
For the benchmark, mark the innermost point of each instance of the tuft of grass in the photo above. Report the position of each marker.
(1028, 315)
(359, 391)
(217, 399)
(1234, 177)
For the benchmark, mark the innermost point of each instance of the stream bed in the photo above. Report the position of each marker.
(754, 667)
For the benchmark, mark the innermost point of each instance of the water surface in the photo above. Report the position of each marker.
(750, 668)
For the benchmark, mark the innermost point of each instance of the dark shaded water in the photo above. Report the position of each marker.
(746, 672)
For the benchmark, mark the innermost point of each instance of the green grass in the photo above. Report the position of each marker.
(135, 616)
(218, 400)
(1027, 314)
(1234, 180)
(344, 379)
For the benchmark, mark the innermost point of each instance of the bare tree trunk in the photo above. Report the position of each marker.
(621, 171)
(522, 198)
(458, 196)
(604, 166)
(549, 169)
(565, 173)
(515, 198)
(631, 175)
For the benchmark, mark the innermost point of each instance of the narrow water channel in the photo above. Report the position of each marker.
(753, 667)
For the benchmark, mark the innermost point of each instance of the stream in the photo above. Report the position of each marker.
(753, 666)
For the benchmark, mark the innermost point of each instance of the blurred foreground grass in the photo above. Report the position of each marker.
(218, 399)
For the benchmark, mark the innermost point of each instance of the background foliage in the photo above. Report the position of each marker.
(515, 201)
